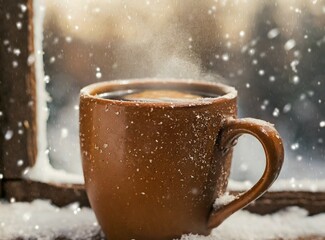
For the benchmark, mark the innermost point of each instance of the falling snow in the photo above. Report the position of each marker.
(20, 163)
(52, 59)
(265, 104)
(294, 65)
(287, 108)
(9, 134)
(46, 79)
(16, 51)
(241, 52)
(225, 57)
(261, 72)
(68, 39)
(271, 78)
(98, 75)
(322, 124)
(31, 59)
(46, 220)
(23, 7)
(19, 25)
(276, 112)
(64, 133)
(295, 80)
(294, 146)
(273, 33)
(251, 51)
(14, 64)
(290, 44)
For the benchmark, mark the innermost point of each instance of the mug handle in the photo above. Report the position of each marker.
(273, 147)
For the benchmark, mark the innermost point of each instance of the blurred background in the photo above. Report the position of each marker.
(273, 52)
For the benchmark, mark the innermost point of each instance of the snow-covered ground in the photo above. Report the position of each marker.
(41, 220)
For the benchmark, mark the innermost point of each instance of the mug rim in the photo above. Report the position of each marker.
(91, 91)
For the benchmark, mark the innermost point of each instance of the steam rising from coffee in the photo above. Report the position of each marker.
(132, 39)
(148, 38)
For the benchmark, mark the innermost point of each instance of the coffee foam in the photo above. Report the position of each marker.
(162, 95)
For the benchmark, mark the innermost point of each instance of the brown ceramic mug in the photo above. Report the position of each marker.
(154, 169)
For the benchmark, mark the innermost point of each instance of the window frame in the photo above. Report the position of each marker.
(18, 107)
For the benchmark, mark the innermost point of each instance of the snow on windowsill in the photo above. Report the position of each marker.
(41, 220)
(291, 223)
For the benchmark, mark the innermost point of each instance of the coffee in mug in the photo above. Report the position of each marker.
(156, 154)
(154, 95)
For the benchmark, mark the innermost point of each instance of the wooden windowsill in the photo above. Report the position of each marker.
(62, 195)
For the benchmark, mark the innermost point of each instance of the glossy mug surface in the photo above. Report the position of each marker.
(153, 168)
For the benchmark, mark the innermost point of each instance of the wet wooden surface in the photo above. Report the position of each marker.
(60, 195)
(64, 194)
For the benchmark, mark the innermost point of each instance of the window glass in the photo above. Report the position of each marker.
(271, 51)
